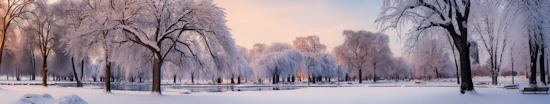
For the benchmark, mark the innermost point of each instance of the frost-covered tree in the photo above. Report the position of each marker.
(450, 15)
(171, 30)
(529, 19)
(43, 26)
(241, 67)
(310, 44)
(363, 49)
(276, 60)
(86, 31)
(431, 55)
(492, 37)
(319, 64)
(10, 10)
(399, 69)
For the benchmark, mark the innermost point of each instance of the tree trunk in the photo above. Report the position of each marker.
(293, 78)
(313, 78)
(192, 78)
(288, 79)
(278, 78)
(534, 54)
(17, 75)
(82, 71)
(44, 72)
(107, 78)
(78, 83)
(374, 73)
(466, 73)
(273, 80)
(156, 74)
(4, 31)
(360, 76)
(239, 80)
(542, 71)
(33, 68)
(232, 80)
(174, 78)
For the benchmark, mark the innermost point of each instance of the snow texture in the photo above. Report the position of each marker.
(48, 99)
(371, 93)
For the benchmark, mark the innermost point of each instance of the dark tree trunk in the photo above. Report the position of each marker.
(534, 54)
(466, 73)
(82, 70)
(17, 75)
(192, 78)
(78, 83)
(44, 71)
(232, 80)
(174, 78)
(288, 79)
(239, 80)
(33, 66)
(107, 78)
(156, 73)
(278, 79)
(219, 80)
(313, 79)
(360, 76)
(293, 78)
(273, 80)
(542, 71)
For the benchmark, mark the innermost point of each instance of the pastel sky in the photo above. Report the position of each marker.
(268, 21)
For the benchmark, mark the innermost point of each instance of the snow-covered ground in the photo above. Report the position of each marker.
(361, 94)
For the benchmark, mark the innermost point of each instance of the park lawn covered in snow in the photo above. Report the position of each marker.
(379, 95)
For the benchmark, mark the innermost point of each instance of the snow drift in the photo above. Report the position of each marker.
(48, 99)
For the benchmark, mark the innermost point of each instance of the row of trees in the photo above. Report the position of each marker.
(116, 40)
(502, 30)
(126, 35)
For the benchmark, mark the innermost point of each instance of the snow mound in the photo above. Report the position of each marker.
(0, 88)
(71, 99)
(48, 99)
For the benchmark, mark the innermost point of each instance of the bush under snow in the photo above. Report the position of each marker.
(48, 99)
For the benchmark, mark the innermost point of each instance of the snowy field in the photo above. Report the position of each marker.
(366, 93)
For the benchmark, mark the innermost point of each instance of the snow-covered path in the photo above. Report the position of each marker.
(376, 95)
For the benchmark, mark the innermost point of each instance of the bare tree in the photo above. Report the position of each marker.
(451, 15)
(362, 49)
(529, 19)
(41, 25)
(486, 28)
(10, 9)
